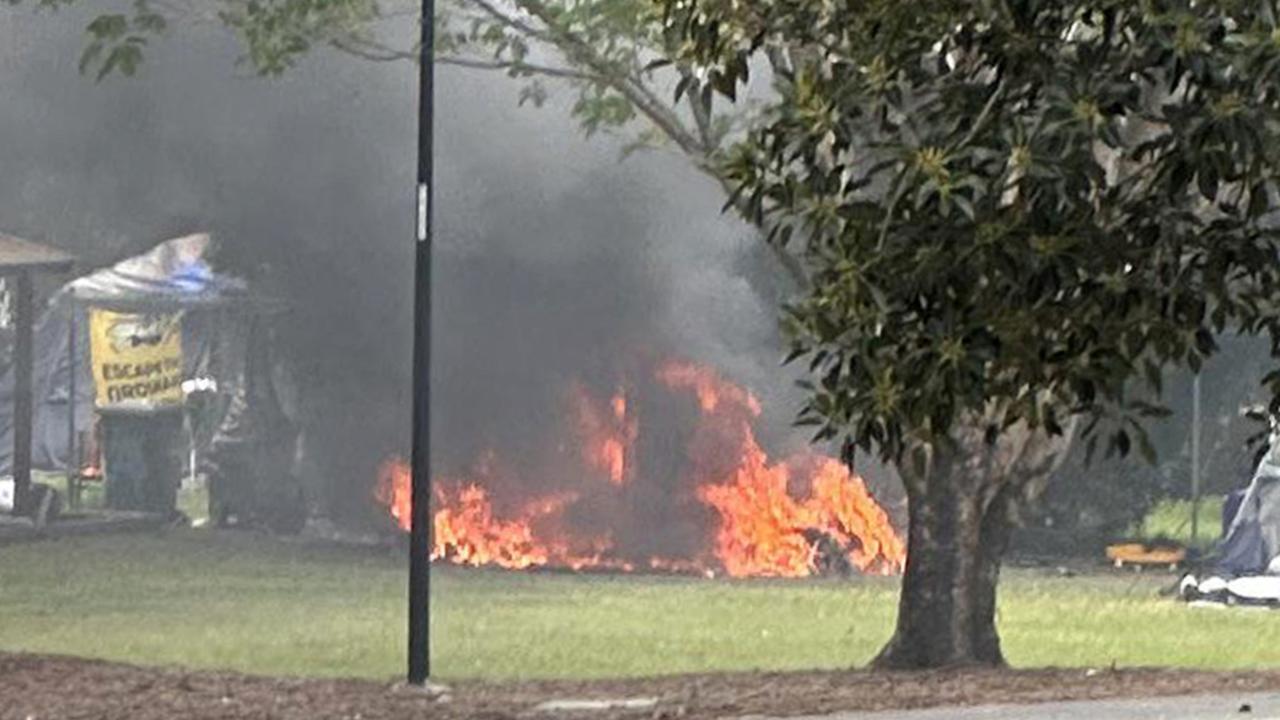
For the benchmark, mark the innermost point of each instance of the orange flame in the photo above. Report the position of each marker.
(706, 384)
(764, 530)
(467, 532)
(607, 438)
(786, 519)
(394, 491)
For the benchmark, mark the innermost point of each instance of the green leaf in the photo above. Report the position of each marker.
(1145, 448)
(1259, 200)
(92, 53)
(109, 27)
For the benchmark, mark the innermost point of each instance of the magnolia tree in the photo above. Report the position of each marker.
(1002, 216)
(1012, 213)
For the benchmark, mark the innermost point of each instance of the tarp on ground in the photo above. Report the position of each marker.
(173, 276)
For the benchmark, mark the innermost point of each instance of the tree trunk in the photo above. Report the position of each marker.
(961, 511)
(946, 610)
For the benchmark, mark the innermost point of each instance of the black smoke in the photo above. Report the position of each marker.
(556, 260)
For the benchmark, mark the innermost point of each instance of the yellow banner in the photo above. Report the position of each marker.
(137, 358)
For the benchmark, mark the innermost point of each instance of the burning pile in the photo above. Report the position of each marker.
(729, 508)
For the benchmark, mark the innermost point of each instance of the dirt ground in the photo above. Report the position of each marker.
(33, 687)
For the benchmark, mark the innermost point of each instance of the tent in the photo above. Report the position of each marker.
(1252, 540)
(1247, 565)
(20, 262)
(176, 276)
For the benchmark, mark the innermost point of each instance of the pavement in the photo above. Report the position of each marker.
(1241, 706)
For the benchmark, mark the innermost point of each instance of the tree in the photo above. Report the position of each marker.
(1012, 212)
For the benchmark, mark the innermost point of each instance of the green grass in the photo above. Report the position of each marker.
(192, 501)
(219, 600)
(1171, 520)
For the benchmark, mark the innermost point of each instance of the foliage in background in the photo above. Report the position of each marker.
(1105, 498)
(1102, 499)
(1171, 520)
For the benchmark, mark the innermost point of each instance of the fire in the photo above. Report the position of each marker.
(764, 529)
(393, 491)
(797, 517)
(706, 384)
(466, 532)
(607, 437)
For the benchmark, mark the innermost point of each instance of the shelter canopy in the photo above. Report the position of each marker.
(172, 276)
(19, 254)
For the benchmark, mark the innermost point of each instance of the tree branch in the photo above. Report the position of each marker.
(899, 189)
(509, 21)
(580, 52)
(375, 52)
(983, 116)
(533, 69)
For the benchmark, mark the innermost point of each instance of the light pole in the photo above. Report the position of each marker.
(1195, 460)
(420, 528)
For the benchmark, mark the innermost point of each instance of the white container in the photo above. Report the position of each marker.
(6, 494)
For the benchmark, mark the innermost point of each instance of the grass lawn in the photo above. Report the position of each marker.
(239, 601)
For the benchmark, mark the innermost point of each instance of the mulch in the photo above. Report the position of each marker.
(34, 687)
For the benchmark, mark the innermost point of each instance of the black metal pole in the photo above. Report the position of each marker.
(420, 530)
(23, 362)
(73, 454)
(1195, 460)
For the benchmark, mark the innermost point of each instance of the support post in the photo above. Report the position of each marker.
(23, 319)
(1195, 459)
(73, 452)
(420, 528)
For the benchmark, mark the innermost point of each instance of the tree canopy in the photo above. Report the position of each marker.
(1011, 209)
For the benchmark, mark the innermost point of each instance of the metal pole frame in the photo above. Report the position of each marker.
(420, 528)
